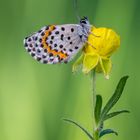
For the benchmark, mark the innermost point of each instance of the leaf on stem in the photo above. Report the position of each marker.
(115, 97)
(78, 125)
(113, 114)
(107, 131)
(98, 107)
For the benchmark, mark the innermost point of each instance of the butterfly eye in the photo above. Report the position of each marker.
(83, 21)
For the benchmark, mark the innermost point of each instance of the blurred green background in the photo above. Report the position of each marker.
(35, 97)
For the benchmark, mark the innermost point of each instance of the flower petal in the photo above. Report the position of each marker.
(90, 61)
(106, 66)
(78, 63)
(105, 40)
(99, 68)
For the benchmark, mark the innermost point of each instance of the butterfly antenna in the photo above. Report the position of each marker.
(76, 9)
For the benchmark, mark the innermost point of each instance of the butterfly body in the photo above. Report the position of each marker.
(57, 43)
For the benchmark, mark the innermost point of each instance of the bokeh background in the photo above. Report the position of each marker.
(35, 97)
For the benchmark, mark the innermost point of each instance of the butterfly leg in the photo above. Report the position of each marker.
(90, 44)
(94, 34)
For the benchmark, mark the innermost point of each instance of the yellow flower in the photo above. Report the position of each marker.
(102, 43)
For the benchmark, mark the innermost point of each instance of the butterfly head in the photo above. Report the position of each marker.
(84, 22)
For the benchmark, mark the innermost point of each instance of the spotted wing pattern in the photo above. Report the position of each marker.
(54, 44)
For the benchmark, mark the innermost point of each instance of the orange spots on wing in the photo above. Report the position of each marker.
(46, 46)
(62, 55)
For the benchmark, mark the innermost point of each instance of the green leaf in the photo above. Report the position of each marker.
(107, 131)
(78, 125)
(115, 97)
(98, 107)
(113, 114)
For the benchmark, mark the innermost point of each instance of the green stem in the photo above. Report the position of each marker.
(95, 127)
(94, 89)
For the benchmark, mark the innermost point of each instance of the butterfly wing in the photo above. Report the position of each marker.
(54, 44)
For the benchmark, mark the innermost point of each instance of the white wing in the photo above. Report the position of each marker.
(55, 44)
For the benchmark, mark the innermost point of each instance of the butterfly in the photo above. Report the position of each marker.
(58, 43)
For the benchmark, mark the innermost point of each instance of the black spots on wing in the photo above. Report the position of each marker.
(39, 31)
(55, 50)
(70, 50)
(42, 34)
(38, 58)
(36, 38)
(44, 56)
(80, 36)
(50, 54)
(57, 32)
(61, 59)
(32, 54)
(26, 45)
(69, 37)
(40, 40)
(38, 50)
(58, 57)
(52, 37)
(62, 37)
(61, 46)
(31, 45)
(47, 28)
(29, 50)
(76, 47)
(26, 38)
(46, 43)
(61, 51)
(41, 45)
(29, 39)
(46, 39)
(51, 59)
(71, 43)
(45, 61)
(72, 29)
(63, 28)
(65, 61)
(33, 49)
(51, 42)
(45, 50)
(50, 33)
(50, 47)
(55, 45)
(36, 45)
